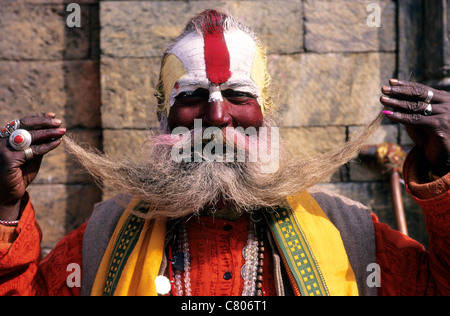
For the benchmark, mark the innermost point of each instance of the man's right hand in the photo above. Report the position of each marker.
(16, 173)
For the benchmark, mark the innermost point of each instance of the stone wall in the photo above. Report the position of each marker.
(327, 64)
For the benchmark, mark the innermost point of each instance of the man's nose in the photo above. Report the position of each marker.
(217, 113)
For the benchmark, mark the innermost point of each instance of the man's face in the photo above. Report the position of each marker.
(235, 109)
(217, 82)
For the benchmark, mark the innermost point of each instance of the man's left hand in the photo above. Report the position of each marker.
(428, 126)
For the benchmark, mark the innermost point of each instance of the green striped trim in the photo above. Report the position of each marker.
(296, 252)
(126, 241)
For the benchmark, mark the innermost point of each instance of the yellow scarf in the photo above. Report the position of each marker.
(133, 257)
(310, 246)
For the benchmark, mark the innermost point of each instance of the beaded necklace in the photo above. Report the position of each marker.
(251, 271)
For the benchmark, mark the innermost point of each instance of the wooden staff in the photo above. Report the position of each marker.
(390, 157)
(397, 202)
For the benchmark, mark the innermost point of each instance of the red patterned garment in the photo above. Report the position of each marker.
(22, 272)
(216, 257)
(406, 267)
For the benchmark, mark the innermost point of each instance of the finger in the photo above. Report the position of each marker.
(46, 135)
(411, 91)
(49, 114)
(18, 158)
(415, 119)
(41, 150)
(406, 106)
(40, 136)
(39, 122)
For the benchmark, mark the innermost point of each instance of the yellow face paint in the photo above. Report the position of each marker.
(259, 76)
(171, 72)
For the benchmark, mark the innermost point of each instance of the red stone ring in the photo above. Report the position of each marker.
(9, 128)
(20, 139)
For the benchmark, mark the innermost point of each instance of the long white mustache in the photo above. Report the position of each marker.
(175, 189)
(225, 145)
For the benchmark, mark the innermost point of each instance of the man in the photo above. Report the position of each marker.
(193, 221)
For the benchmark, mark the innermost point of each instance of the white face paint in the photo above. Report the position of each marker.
(214, 94)
(190, 51)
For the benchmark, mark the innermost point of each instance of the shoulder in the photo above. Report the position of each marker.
(98, 232)
(327, 198)
(116, 204)
(355, 224)
(105, 216)
(342, 210)
(346, 214)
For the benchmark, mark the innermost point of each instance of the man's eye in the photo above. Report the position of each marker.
(199, 93)
(183, 95)
(237, 94)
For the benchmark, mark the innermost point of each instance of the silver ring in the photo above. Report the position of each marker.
(20, 139)
(428, 110)
(429, 97)
(9, 129)
(28, 154)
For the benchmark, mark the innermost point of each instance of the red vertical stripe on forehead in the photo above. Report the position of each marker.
(217, 57)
